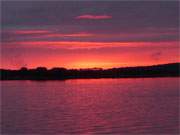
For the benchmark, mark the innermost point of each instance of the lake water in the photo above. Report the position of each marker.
(90, 106)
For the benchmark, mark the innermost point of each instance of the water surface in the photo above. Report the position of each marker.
(90, 106)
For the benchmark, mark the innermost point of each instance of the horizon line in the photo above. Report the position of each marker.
(92, 67)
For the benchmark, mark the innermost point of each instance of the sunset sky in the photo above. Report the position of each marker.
(84, 34)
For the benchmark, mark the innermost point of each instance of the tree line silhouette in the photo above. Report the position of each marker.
(42, 73)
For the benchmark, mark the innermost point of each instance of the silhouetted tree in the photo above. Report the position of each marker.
(41, 73)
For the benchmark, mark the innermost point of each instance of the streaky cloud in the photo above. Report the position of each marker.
(94, 17)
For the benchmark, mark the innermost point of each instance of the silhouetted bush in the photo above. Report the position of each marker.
(41, 73)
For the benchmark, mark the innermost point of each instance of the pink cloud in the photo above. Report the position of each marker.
(30, 31)
(94, 17)
(68, 35)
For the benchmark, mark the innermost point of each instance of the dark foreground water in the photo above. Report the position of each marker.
(90, 106)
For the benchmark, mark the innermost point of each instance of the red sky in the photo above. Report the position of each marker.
(88, 54)
(87, 35)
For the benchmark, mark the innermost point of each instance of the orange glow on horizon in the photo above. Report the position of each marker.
(88, 54)
(79, 63)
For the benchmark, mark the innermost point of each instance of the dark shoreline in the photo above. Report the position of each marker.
(88, 78)
(41, 73)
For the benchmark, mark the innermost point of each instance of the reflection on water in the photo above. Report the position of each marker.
(90, 106)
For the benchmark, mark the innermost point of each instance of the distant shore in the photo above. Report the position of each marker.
(41, 73)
